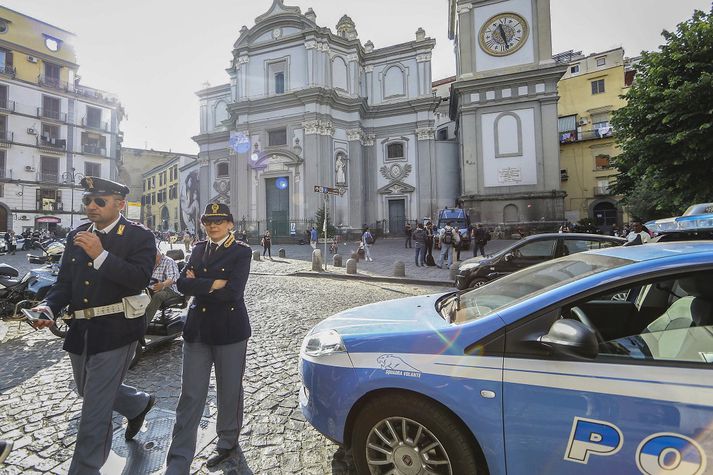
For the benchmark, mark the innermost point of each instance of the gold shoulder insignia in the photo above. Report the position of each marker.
(229, 241)
(120, 230)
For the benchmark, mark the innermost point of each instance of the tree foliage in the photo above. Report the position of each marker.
(319, 218)
(665, 130)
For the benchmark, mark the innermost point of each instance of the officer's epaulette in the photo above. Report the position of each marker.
(242, 243)
(201, 243)
(84, 226)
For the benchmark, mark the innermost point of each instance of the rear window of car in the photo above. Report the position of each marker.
(531, 282)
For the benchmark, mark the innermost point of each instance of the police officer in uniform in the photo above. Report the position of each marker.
(216, 333)
(104, 261)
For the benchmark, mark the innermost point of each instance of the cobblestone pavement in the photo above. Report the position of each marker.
(39, 409)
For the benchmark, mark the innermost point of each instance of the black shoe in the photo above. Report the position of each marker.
(218, 458)
(5, 448)
(135, 424)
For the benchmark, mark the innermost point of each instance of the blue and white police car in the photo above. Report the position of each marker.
(595, 363)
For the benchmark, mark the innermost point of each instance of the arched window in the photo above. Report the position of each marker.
(339, 74)
(394, 82)
(508, 135)
(511, 214)
(221, 169)
(605, 214)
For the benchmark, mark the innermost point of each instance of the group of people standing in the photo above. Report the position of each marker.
(448, 240)
(107, 265)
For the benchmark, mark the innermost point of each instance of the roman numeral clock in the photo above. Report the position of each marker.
(503, 34)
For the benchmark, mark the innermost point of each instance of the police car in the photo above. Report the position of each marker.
(597, 362)
(695, 223)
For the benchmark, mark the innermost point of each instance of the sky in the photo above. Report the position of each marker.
(155, 54)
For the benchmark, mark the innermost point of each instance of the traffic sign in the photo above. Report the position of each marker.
(327, 190)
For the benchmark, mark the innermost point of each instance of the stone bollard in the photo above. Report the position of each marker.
(351, 266)
(337, 260)
(281, 253)
(399, 269)
(256, 255)
(317, 260)
(454, 270)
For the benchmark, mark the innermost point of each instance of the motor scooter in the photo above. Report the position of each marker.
(169, 320)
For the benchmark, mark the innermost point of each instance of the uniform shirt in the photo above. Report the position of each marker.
(644, 236)
(93, 229)
(166, 269)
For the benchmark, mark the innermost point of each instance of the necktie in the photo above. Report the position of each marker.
(102, 237)
(212, 248)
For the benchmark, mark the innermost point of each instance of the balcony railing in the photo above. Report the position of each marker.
(5, 174)
(97, 94)
(53, 82)
(51, 114)
(48, 177)
(7, 71)
(50, 205)
(95, 124)
(52, 143)
(93, 149)
(6, 137)
(578, 136)
(7, 105)
(602, 191)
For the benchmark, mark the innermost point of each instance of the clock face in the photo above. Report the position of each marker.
(503, 34)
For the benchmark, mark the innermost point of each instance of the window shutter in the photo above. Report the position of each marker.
(102, 142)
(8, 58)
(568, 123)
(59, 196)
(38, 198)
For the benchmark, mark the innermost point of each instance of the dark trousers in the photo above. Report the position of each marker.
(266, 249)
(478, 247)
(420, 254)
(408, 241)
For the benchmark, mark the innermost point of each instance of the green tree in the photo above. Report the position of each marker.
(665, 129)
(319, 218)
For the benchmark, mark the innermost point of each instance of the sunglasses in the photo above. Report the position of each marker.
(101, 202)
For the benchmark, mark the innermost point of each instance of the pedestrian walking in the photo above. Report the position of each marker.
(408, 230)
(216, 334)
(480, 238)
(367, 239)
(419, 237)
(313, 236)
(266, 244)
(429, 244)
(447, 238)
(107, 263)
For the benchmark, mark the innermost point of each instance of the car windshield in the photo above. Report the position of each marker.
(530, 282)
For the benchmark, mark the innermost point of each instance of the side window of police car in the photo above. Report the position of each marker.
(658, 320)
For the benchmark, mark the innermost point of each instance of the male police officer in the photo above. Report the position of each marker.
(104, 261)
(216, 333)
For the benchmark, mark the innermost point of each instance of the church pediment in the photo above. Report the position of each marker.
(277, 8)
(396, 188)
(277, 158)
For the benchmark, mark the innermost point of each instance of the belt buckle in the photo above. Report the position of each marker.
(89, 313)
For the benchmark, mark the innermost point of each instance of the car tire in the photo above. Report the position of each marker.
(478, 282)
(388, 417)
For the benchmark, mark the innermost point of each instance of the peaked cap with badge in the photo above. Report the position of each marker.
(94, 185)
(217, 212)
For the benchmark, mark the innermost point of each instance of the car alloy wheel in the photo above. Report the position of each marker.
(478, 282)
(403, 446)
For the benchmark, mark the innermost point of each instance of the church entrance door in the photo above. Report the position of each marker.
(277, 197)
(397, 216)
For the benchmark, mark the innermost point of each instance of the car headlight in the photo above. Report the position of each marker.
(469, 266)
(323, 343)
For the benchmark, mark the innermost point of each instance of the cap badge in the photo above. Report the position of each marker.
(90, 182)
(215, 208)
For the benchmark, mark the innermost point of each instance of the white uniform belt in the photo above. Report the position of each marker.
(89, 313)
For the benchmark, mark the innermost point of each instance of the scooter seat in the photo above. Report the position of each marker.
(8, 271)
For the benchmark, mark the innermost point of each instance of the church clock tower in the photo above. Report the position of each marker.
(504, 102)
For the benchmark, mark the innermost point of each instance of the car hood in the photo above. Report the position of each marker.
(476, 260)
(393, 316)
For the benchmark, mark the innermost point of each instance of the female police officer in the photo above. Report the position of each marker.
(216, 332)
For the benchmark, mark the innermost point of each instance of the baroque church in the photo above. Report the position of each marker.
(307, 107)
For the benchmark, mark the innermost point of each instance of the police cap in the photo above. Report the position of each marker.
(101, 186)
(217, 212)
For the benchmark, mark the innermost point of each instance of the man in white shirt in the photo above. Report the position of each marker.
(638, 232)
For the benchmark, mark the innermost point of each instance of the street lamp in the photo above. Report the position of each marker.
(71, 179)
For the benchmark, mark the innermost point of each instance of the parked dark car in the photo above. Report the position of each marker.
(531, 250)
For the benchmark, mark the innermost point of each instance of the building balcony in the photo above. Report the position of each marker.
(7, 106)
(602, 191)
(93, 150)
(7, 71)
(579, 136)
(51, 144)
(95, 124)
(51, 114)
(49, 206)
(52, 82)
(6, 138)
(96, 94)
(48, 177)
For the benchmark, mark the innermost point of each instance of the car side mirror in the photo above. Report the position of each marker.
(571, 338)
(509, 257)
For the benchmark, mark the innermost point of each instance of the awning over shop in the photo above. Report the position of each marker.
(48, 219)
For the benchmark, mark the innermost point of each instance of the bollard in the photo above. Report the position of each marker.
(281, 253)
(351, 266)
(256, 255)
(399, 269)
(454, 270)
(337, 260)
(317, 260)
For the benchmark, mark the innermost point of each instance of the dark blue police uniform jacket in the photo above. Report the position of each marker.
(126, 271)
(219, 317)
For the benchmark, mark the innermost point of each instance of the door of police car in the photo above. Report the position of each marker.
(644, 404)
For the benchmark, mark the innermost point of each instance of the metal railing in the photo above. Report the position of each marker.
(93, 150)
(7, 70)
(7, 105)
(48, 177)
(53, 82)
(95, 124)
(51, 143)
(5, 174)
(51, 114)
(593, 134)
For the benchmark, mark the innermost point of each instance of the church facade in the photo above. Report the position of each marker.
(308, 107)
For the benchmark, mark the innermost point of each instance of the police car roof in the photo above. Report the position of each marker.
(646, 252)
